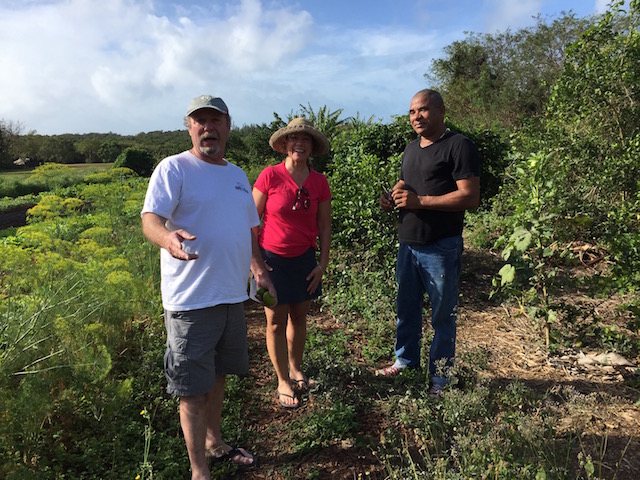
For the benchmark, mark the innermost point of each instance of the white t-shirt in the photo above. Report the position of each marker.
(214, 203)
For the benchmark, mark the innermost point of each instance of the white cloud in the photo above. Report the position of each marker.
(114, 56)
(132, 65)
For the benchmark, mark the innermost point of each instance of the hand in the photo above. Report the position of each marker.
(174, 246)
(314, 279)
(265, 297)
(386, 202)
(404, 198)
(263, 281)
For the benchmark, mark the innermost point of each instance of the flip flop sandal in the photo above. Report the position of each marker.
(303, 384)
(288, 405)
(233, 453)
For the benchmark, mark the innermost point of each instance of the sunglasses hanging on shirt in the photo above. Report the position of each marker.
(302, 199)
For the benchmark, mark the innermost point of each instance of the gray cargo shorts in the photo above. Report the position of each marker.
(202, 344)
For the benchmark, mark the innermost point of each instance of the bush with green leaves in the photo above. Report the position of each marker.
(136, 159)
(574, 176)
(364, 239)
(109, 150)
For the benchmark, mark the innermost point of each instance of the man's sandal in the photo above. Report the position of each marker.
(232, 456)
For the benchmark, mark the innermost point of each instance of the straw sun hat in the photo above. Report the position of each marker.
(278, 140)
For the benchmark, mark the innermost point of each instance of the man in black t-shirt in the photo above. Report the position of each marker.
(439, 180)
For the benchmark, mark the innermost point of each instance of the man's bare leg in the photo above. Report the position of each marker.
(214, 418)
(194, 415)
(214, 446)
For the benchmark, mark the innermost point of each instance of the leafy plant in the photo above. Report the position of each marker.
(136, 159)
(573, 178)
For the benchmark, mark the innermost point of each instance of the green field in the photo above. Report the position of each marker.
(24, 173)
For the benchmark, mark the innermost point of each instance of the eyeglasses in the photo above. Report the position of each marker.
(302, 199)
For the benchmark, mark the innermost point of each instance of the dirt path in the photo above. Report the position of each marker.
(593, 399)
(597, 399)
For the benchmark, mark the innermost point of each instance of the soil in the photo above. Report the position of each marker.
(606, 414)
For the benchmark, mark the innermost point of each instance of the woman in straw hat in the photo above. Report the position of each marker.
(294, 203)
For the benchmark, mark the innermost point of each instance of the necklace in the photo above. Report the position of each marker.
(446, 130)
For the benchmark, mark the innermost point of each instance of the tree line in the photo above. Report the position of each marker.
(490, 81)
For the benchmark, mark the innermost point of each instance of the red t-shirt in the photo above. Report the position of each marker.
(285, 231)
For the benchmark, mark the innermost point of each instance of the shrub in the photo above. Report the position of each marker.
(140, 161)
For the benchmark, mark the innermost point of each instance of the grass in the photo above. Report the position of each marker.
(355, 425)
(89, 282)
(25, 173)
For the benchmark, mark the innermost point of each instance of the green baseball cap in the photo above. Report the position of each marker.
(207, 101)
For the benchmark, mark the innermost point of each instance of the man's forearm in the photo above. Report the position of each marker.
(154, 229)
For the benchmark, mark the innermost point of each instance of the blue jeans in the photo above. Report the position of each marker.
(434, 269)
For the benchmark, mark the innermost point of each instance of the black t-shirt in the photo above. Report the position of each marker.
(434, 170)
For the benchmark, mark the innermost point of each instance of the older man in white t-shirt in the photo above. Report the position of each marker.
(199, 210)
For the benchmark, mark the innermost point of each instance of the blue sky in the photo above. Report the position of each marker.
(131, 66)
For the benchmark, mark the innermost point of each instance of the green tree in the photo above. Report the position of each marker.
(500, 80)
(58, 150)
(88, 149)
(5, 159)
(162, 144)
(594, 133)
(140, 161)
(574, 178)
(109, 150)
(257, 142)
(26, 146)
(9, 131)
(599, 90)
(236, 149)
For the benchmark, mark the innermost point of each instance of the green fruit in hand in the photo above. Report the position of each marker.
(268, 299)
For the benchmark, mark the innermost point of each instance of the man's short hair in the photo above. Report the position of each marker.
(434, 97)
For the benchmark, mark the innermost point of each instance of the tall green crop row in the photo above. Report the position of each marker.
(76, 285)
